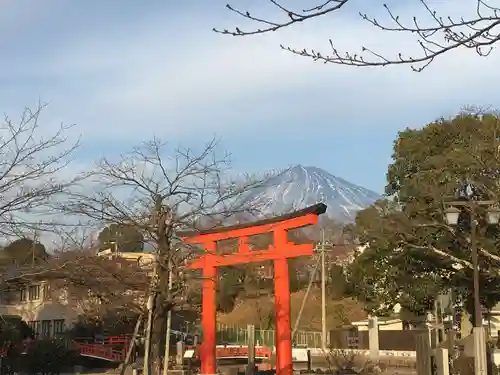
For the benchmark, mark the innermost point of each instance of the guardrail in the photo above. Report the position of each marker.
(232, 352)
(239, 336)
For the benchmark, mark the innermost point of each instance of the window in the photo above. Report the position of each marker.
(34, 292)
(58, 327)
(35, 327)
(46, 291)
(46, 328)
(22, 295)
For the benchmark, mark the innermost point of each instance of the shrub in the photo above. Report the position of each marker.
(342, 361)
(48, 357)
(11, 358)
(12, 333)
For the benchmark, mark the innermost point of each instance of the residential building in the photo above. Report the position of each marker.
(31, 302)
(50, 312)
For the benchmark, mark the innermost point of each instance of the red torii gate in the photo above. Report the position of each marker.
(279, 252)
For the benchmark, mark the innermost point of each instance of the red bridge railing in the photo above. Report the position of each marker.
(111, 348)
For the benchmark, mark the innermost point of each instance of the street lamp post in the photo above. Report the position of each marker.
(492, 217)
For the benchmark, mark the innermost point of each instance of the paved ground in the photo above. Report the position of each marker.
(229, 369)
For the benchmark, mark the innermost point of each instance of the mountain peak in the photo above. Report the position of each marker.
(301, 186)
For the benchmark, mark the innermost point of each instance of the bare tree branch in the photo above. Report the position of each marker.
(156, 192)
(444, 255)
(292, 17)
(478, 32)
(99, 285)
(30, 164)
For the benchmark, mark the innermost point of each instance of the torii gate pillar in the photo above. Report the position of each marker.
(278, 252)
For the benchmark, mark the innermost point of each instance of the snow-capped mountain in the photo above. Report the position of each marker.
(300, 186)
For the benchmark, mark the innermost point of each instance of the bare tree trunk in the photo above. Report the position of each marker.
(131, 347)
(156, 194)
(158, 339)
(162, 305)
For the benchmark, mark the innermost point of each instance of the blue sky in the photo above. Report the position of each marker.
(123, 71)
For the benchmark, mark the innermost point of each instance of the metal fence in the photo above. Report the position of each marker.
(237, 335)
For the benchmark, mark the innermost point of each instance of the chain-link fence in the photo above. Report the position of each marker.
(237, 335)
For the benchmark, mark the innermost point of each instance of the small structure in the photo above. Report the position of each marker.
(383, 324)
(279, 252)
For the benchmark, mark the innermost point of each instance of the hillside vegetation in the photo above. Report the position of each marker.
(260, 311)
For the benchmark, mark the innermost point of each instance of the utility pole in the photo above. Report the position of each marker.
(131, 346)
(250, 370)
(492, 215)
(480, 361)
(33, 248)
(304, 300)
(323, 292)
(147, 339)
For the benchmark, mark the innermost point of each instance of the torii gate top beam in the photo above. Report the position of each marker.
(277, 225)
(296, 219)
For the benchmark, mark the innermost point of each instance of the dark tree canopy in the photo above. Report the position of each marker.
(13, 329)
(411, 253)
(434, 34)
(24, 252)
(125, 237)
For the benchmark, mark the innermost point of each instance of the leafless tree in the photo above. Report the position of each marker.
(157, 192)
(437, 34)
(31, 160)
(98, 286)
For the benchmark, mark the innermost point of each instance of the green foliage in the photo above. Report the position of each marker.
(412, 254)
(48, 357)
(127, 238)
(13, 329)
(23, 252)
(11, 359)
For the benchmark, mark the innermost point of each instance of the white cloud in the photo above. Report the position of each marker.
(173, 76)
(169, 74)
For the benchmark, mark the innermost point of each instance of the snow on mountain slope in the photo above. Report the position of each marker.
(300, 186)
